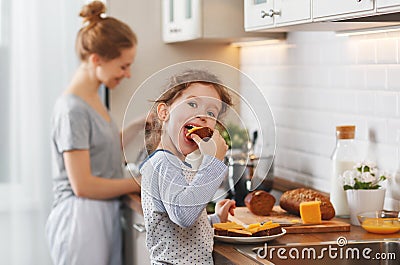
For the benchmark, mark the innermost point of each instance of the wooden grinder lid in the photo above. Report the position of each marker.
(345, 131)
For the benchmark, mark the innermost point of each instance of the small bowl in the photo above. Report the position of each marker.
(380, 222)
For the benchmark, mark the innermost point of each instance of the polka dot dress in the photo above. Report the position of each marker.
(172, 244)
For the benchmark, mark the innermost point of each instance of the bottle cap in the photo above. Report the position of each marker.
(345, 131)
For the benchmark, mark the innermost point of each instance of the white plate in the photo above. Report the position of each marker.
(256, 239)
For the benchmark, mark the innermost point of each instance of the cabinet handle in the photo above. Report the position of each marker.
(123, 223)
(270, 13)
(139, 227)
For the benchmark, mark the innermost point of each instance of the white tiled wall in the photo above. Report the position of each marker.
(317, 80)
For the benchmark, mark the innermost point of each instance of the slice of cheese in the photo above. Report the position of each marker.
(256, 225)
(252, 230)
(239, 231)
(310, 212)
(193, 129)
(228, 225)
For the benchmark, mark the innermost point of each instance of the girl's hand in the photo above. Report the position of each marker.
(222, 208)
(215, 146)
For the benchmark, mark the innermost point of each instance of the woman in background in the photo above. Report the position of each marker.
(84, 225)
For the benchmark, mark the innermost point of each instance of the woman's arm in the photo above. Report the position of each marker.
(133, 129)
(84, 184)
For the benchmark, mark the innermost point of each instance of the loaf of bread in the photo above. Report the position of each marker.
(290, 201)
(259, 202)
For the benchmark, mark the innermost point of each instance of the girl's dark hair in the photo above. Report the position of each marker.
(176, 85)
(105, 36)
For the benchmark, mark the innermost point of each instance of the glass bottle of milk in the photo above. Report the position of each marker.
(344, 158)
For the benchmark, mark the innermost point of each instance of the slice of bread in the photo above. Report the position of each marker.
(202, 132)
(238, 233)
(255, 230)
(268, 229)
(221, 229)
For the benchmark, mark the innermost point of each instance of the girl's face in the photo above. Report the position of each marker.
(198, 105)
(111, 72)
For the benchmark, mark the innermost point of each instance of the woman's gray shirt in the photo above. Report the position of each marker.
(77, 126)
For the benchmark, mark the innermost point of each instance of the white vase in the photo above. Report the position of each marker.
(364, 201)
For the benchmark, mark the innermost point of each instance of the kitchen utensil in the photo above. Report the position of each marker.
(246, 173)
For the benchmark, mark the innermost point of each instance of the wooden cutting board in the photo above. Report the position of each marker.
(244, 217)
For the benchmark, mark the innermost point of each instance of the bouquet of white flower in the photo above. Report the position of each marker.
(364, 176)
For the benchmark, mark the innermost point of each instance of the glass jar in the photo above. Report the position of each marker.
(344, 158)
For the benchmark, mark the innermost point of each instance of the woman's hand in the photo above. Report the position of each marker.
(223, 208)
(215, 146)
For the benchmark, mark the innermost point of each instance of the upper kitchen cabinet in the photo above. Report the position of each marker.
(340, 9)
(319, 15)
(181, 20)
(388, 5)
(264, 14)
(206, 20)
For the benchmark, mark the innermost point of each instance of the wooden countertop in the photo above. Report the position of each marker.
(226, 254)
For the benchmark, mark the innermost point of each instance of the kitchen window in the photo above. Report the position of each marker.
(4, 84)
(37, 59)
(2, 17)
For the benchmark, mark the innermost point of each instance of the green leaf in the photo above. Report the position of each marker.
(375, 187)
(347, 187)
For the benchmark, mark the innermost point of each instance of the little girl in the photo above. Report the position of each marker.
(174, 196)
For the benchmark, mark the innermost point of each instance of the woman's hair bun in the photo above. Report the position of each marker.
(92, 11)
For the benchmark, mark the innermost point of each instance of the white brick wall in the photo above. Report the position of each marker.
(317, 80)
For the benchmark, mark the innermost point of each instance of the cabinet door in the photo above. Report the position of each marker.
(134, 236)
(387, 3)
(256, 14)
(142, 255)
(181, 20)
(324, 8)
(292, 11)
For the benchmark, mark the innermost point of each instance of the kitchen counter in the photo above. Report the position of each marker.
(227, 254)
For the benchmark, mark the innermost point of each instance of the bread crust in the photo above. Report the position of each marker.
(290, 201)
